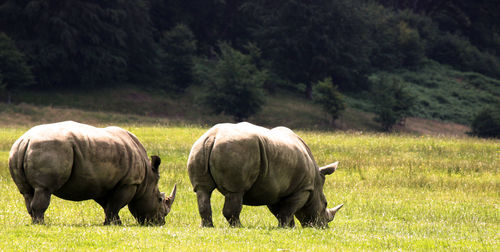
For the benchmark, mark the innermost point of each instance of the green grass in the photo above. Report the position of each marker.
(400, 192)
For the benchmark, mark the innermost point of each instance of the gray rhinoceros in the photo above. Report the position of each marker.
(79, 162)
(253, 165)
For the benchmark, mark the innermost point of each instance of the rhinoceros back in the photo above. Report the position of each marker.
(264, 164)
(76, 161)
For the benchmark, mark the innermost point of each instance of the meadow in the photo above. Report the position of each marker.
(401, 192)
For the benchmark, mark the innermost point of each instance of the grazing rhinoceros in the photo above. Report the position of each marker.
(79, 162)
(253, 165)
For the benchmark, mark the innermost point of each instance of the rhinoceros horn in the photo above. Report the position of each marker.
(332, 211)
(170, 199)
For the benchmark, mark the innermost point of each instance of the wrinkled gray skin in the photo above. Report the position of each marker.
(79, 162)
(253, 165)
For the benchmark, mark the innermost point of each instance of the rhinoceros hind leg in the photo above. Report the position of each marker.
(204, 207)
(28, 197)
(232, 208)
(39, 203)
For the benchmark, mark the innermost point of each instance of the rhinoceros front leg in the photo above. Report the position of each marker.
(39, 203)
(232, 208)
(204, 207)
(112, 205)
(109, 218)
(286, 208)
(282, 220)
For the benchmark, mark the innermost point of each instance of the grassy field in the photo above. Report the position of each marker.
(400, 192)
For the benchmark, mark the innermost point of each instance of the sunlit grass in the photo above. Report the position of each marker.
(400, 192)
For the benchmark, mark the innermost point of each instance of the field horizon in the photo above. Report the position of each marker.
(131, 105)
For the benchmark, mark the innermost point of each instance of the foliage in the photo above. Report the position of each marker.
(463, 34)
(233, 82)
(327, 95)
(398, 38)
(487, 123)
(90, 44)
(392, 102)
(400, 193)
(440, 92)
(81, 43)
(458, 52)
(477, 21)
(178, 51)
(308, 41)
(14, 71)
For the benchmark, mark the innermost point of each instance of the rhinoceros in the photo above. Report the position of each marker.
(252, 165)
(78, 162)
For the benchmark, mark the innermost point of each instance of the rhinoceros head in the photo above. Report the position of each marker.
(315, 213)
(154, 205)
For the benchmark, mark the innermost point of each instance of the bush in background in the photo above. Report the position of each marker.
(233, 83)
(392, 102)
(327, 95)
(487, 123)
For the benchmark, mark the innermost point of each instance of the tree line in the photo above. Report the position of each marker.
(291, 44)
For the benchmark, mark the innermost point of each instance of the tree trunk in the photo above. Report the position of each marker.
(309, 91)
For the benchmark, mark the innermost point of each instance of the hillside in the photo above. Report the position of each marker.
(440, 92)
(133, 106)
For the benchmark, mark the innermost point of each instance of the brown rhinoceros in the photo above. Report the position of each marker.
(253, 165)
(79, 162)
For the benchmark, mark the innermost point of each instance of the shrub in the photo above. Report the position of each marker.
(487, 123)
(392, 102)
(233, 83)
(327, 95)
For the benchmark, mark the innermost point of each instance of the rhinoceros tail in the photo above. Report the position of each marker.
(208, 145)
(198, 164)
(17, 159)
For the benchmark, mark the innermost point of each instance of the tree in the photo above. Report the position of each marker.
(392, 102)
(14, 71)
(307, 41)
(233, 83)
(178, 51)
(487, 123)
(209, 20)
(82, 43)
(327, 95)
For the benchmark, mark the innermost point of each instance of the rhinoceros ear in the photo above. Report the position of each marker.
(329, 169)
(155, 163)
(162, 197)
